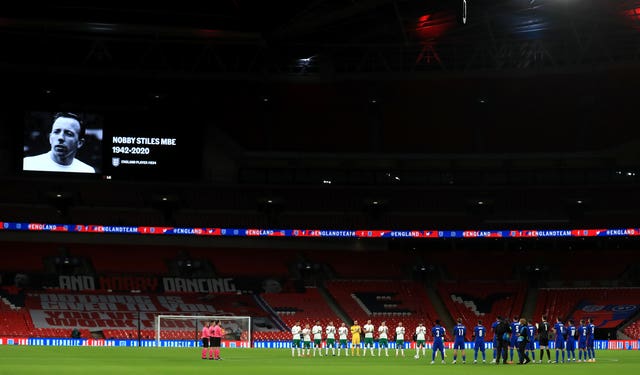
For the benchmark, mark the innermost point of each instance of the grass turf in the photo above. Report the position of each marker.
(38, 360)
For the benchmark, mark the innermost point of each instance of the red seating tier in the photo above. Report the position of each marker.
(507, 299)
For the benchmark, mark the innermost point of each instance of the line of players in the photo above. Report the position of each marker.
(565, 337)
(302, 340)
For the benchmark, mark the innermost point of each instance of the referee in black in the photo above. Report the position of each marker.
(503, 330)
(543, 336)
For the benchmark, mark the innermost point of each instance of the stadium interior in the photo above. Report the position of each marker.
(377, 115)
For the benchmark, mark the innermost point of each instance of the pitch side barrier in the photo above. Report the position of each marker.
(114, 342)
(598, 344)
(319, 233)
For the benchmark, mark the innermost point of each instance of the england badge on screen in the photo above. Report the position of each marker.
(115, 162)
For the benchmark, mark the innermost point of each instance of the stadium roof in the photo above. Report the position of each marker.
(249, 39)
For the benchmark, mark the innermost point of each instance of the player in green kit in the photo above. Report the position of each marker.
(421, 334)
(306, 340)
(316, 330)
(368, 337)
(343, 332)
(383, 339)
(400, 331)
(296, 330)
(330, 330)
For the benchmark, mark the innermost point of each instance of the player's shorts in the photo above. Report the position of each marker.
(571, 344)
(383, 343)
(438, 345)
(331, 342)
(458, 344)
(306, 344)
(400, 344)
(589, 342)
(205, 342)
(544, 341)
(479, 345)
(214, 342)
(530, 345)
(368, 341)
(419, 343)
(514, 342)
(317, 343)
(296, 343)
(343, 343)
(559, 344)
(582, 344)
(355, 339)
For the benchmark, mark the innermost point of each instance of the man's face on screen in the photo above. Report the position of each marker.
(65, 140)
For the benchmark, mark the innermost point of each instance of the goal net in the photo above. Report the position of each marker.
(237, 329)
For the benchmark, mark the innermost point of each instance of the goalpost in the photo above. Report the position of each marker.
(189, 327)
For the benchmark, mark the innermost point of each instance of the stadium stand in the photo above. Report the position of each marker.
(385, 265)
(393, 301)
(608, 307)
(306, 307)
(482, 300)
(633, 330)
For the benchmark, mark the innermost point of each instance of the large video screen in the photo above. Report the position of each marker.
(111, 145)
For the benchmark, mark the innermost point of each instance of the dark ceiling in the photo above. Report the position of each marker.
(257, 39)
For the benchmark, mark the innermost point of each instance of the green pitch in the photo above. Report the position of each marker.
(35, 360)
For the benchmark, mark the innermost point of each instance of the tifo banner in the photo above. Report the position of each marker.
(609, 314)
(112, 311)
(151, 284)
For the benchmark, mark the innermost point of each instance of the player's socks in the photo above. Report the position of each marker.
(563, 356)
(210, 353)
(557, 355)
(204, 353)
(511, 354)
(464, 358)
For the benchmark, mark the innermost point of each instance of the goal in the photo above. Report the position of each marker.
(237, 329)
